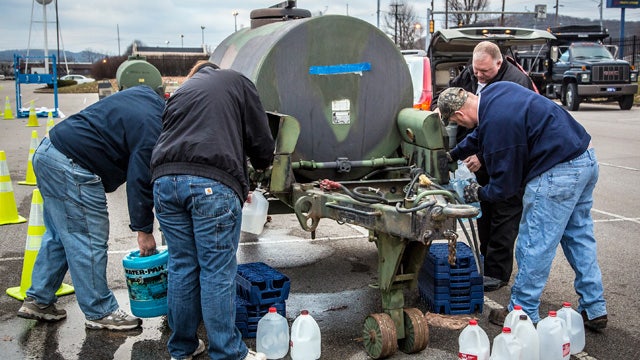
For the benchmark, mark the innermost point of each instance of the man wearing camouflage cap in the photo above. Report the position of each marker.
(528, 141)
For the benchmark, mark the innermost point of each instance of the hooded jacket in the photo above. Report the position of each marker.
(210, 125)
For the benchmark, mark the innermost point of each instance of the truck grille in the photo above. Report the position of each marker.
(610, 73)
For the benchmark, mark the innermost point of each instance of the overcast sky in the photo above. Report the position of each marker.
(93, 25)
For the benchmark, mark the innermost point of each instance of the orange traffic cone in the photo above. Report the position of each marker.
(50, 123)
(34, 240)
(33, 117)
(31, 176)
(8, 115)
(8, 210)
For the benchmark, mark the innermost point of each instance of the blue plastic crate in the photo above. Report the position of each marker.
(247, 316)
(451, 289)
(260, 284)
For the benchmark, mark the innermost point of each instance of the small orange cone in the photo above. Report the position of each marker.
(34, 240)
(8, 210)
(8, 115)
(31, 176)
(33, 117)
(50, 123)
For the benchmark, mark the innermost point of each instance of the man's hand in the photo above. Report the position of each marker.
(473, 163)
(146, 243)
(471, 192)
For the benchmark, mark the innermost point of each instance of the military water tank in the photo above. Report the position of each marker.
(341, 77)
(137, 71)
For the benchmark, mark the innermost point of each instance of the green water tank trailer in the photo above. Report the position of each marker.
(342, 78)
(137, 71)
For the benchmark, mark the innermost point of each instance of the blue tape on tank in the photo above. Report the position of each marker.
(339, 69)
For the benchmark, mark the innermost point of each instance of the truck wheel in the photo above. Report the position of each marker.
(626, 102)
(571, 97)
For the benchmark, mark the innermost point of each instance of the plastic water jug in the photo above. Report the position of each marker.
(506, 346)
(461, 178)
(272, 337)
(575, 327)
(473, 343)
(305, 338)
(147, 282)
(526, 333)
(553, 337)
(513, 316)
(254, 213)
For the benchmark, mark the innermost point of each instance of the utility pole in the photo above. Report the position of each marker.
(557, 6)
(502, 15)
(395, 26)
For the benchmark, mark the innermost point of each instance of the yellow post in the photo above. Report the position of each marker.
(33, 117)
(8, 115)
(31, 176)
(8, 210)
(34, 240)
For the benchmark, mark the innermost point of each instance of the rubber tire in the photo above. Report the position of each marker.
(626, 102)
(571, 97)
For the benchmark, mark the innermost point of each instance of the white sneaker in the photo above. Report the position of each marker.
(252, 355)
(199, 350)
(117, 320)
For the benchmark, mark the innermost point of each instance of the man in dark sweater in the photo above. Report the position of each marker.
(498, 225)
(88, 155)
(528, 141)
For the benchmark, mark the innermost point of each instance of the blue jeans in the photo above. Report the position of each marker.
(77, 231)
(557, 210)
(200, 219)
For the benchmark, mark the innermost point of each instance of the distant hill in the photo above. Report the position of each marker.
(72, 57)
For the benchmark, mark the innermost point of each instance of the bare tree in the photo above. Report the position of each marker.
(402, 25)
(471, 7)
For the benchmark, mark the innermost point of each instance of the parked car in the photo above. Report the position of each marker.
(420, 69)
(80, 79)
(450, 50)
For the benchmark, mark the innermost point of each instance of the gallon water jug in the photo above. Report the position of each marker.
(254, 213)
(513, 316)
(272, 337)
(575, 327)
(305, 338)
(147, 282)
(506, 346)
(526, 333)
(461, 178)
(554, 341)
(473, 343)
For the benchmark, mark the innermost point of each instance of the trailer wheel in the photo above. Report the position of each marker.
(626, 102)
(571, 97)
(416, 332)
(380, 336)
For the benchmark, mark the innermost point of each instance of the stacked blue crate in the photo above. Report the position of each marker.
(258, 287)
(451, 289)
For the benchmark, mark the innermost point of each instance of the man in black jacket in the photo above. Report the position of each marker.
(211, 125)
(498, 225)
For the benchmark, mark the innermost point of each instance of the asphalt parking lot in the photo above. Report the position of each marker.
(330, 275)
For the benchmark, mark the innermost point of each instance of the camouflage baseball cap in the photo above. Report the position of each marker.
(450, 101)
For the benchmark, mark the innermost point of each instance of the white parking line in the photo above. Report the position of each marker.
(615, 216)
(618, 166)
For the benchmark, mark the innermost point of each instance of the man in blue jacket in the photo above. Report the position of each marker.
(88, 155)
(528, 141)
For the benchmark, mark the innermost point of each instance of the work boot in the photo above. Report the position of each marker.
(595, 324)
(199, 350)
(492, 284)
(117, 320)
(30, 309)
(497, 316)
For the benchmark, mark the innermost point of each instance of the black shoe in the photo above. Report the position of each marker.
(497, 316)
(492, 284)
(596, 324)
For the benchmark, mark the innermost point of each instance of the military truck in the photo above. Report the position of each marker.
(577, 67)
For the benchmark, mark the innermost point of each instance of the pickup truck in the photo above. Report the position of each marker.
(577, 67)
